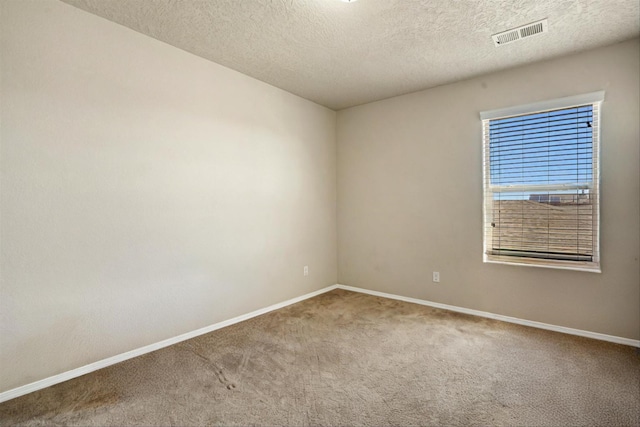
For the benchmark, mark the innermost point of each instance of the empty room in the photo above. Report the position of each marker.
(320, 212)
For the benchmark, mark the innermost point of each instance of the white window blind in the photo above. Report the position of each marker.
(541, 193)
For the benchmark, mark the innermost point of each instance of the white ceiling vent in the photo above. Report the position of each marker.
(516, 34)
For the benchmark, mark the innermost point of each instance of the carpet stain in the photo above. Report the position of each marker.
(97, 402)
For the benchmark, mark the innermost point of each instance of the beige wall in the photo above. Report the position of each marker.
(410, 196)
(146, 192)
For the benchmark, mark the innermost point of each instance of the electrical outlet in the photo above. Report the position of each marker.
(436, 276)
(305, 270)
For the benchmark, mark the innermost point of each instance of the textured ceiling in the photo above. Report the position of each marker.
(344, 54)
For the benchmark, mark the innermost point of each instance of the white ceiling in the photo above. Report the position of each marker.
(344, 54)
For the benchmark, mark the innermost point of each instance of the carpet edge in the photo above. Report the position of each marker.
(508, 319)
(94, 366)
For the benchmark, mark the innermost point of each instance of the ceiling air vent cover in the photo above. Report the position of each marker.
(516, 34)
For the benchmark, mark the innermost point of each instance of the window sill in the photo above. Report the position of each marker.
(589, 267)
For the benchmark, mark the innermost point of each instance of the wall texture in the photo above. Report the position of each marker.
(410, 196)
(146, 192)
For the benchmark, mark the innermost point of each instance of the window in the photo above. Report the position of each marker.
(541, 183)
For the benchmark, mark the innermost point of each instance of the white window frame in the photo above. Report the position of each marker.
(594, 98)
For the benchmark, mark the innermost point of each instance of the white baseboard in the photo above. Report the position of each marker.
(534, 324)
(56, 379)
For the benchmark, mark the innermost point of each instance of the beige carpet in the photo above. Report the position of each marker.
(344, 358)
